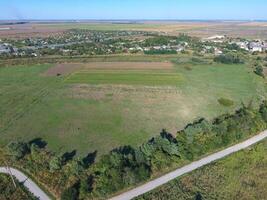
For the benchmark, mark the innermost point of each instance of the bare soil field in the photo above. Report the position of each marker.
(68, 68)
(63, 69)
(199, 29)
(28, 30)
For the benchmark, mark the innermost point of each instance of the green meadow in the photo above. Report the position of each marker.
(101, 109)
(126, 77)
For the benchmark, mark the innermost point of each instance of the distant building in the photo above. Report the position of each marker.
(255, 46)
(217, 52)
(4, 49)
(216, 37)
(243, 45)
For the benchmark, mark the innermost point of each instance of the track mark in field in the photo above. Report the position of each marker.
(68, 68)
(21, 110)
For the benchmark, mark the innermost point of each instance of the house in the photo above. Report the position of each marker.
(4, 49)
(217, 51)
(215, 38)
(243, 45)
(255, 46)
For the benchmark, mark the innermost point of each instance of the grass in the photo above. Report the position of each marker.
(131, 107)
(125, 77)
(239, 176)
(225, 102)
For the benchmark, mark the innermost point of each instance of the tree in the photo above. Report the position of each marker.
(263, 111)
(229, 58)
(259, 71)
(76, 166)
(18, 149)
(69, 194)
(56, 163)
(84, 187)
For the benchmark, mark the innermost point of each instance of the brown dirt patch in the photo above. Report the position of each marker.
(62, 69)
(128, 65)
(27, 31)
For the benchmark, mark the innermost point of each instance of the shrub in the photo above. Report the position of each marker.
(18, 149)
(226, 102)
(229, 58)
(152, 52)
(69, 194)
(259, 71)
(56, 163)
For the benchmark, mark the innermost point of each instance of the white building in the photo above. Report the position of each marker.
(4, 49)
(255, 46)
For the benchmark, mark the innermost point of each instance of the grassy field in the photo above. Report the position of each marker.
(131, 107)
(239, 176)
(125, 78)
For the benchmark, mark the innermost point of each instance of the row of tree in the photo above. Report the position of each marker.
(229, 58)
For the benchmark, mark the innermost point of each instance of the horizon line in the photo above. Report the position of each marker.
(83, 19)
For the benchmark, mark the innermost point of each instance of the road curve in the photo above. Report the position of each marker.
(27, 182)
(188, 168)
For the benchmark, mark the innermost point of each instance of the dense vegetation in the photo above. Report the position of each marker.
(229, 58)
(155, 52)
(259, 71)
(239, 176)
(127, 166)
(9, 192)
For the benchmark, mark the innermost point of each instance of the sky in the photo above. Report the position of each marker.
(134, 9)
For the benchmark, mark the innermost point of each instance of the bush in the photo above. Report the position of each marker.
(225, 102)
(56, 163)
(229, 58)
(70, 194)
(155, 52)
(259, 71)
(18, 149)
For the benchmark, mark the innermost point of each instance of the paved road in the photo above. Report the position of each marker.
(188, 168)
(28, 183)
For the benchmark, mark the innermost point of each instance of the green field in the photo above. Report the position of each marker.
(125, 77)
(239, 176)
(79, 112)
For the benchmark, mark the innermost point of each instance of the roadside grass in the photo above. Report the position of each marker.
(239, 176)
(9, 192)
(97, 116)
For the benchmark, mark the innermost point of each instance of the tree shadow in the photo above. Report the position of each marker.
(69, 155)
(168, 136)
(39, 142)
(89, 159)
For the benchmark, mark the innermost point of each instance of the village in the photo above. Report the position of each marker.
(83, 42)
